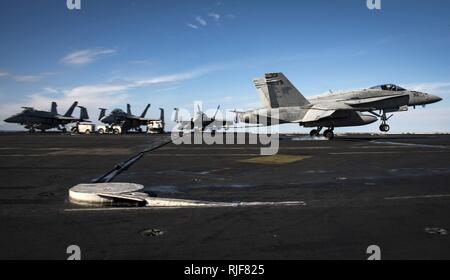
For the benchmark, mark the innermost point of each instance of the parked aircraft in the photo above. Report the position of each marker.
(34, 119)
(283, 103)
(201, 122)
(126, 120)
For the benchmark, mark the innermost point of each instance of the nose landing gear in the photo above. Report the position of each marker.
(384, 127)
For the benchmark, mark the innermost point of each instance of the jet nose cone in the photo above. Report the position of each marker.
(9, 120)
(434, 98)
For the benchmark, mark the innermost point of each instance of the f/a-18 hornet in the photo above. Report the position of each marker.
(201, 122)
(127, 121)
(283, 103)
(34, 119)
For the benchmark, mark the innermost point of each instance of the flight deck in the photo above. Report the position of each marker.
(354, 191)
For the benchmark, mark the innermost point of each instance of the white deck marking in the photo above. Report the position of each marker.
(385, 152)
(418, 196)
(409, 144)
(229, 147)
(215, 205)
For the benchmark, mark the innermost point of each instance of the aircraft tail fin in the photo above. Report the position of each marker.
(175, 118)
(70, 111)
(276, 91)
(145, 111)
(102, 113)
(53, 108)
(129, 109)
(83, 113)
(161, 116)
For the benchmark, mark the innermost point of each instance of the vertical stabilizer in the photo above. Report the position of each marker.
(102, 113)
(145, 111)
(53, 108)
(70, 111)
(175, 118)
(276, 91)
(161, 116)
(83, 113)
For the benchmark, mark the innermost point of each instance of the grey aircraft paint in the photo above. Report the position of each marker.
(127, 120)
(283, 103)
(201, 121)
(35, 119)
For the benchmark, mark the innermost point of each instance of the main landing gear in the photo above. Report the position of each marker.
(328, 133)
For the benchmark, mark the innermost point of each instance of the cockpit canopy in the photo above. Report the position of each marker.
(117, 111)
(27, 109)
(390, 87)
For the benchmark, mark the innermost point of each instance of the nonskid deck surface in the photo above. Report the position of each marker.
(357, 190)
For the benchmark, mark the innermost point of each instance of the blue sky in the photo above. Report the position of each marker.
(171, 53)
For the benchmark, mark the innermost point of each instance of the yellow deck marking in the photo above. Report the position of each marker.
(276, 159)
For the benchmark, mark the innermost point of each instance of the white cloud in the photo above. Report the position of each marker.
(83, 57)
(28, 78)
(25, 78)
(215, 16)
(142, 62)
(201, 21)
(193, 26)
(52, 90)
(106, 95)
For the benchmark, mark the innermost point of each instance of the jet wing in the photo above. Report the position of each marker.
(323, 110)
(65, 118)
(316, 114)
(133, 118)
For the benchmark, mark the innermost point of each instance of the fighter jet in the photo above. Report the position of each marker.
(34, 119)
(201, 121)
(283, 103)
(127, 120)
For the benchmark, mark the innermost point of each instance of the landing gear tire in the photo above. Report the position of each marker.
(116, 131)
(101, 131)
(384, 128)
(213, 133)
(329, 134)
(314, 133)
(87, 132)
(32, 130)
(180, 134)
